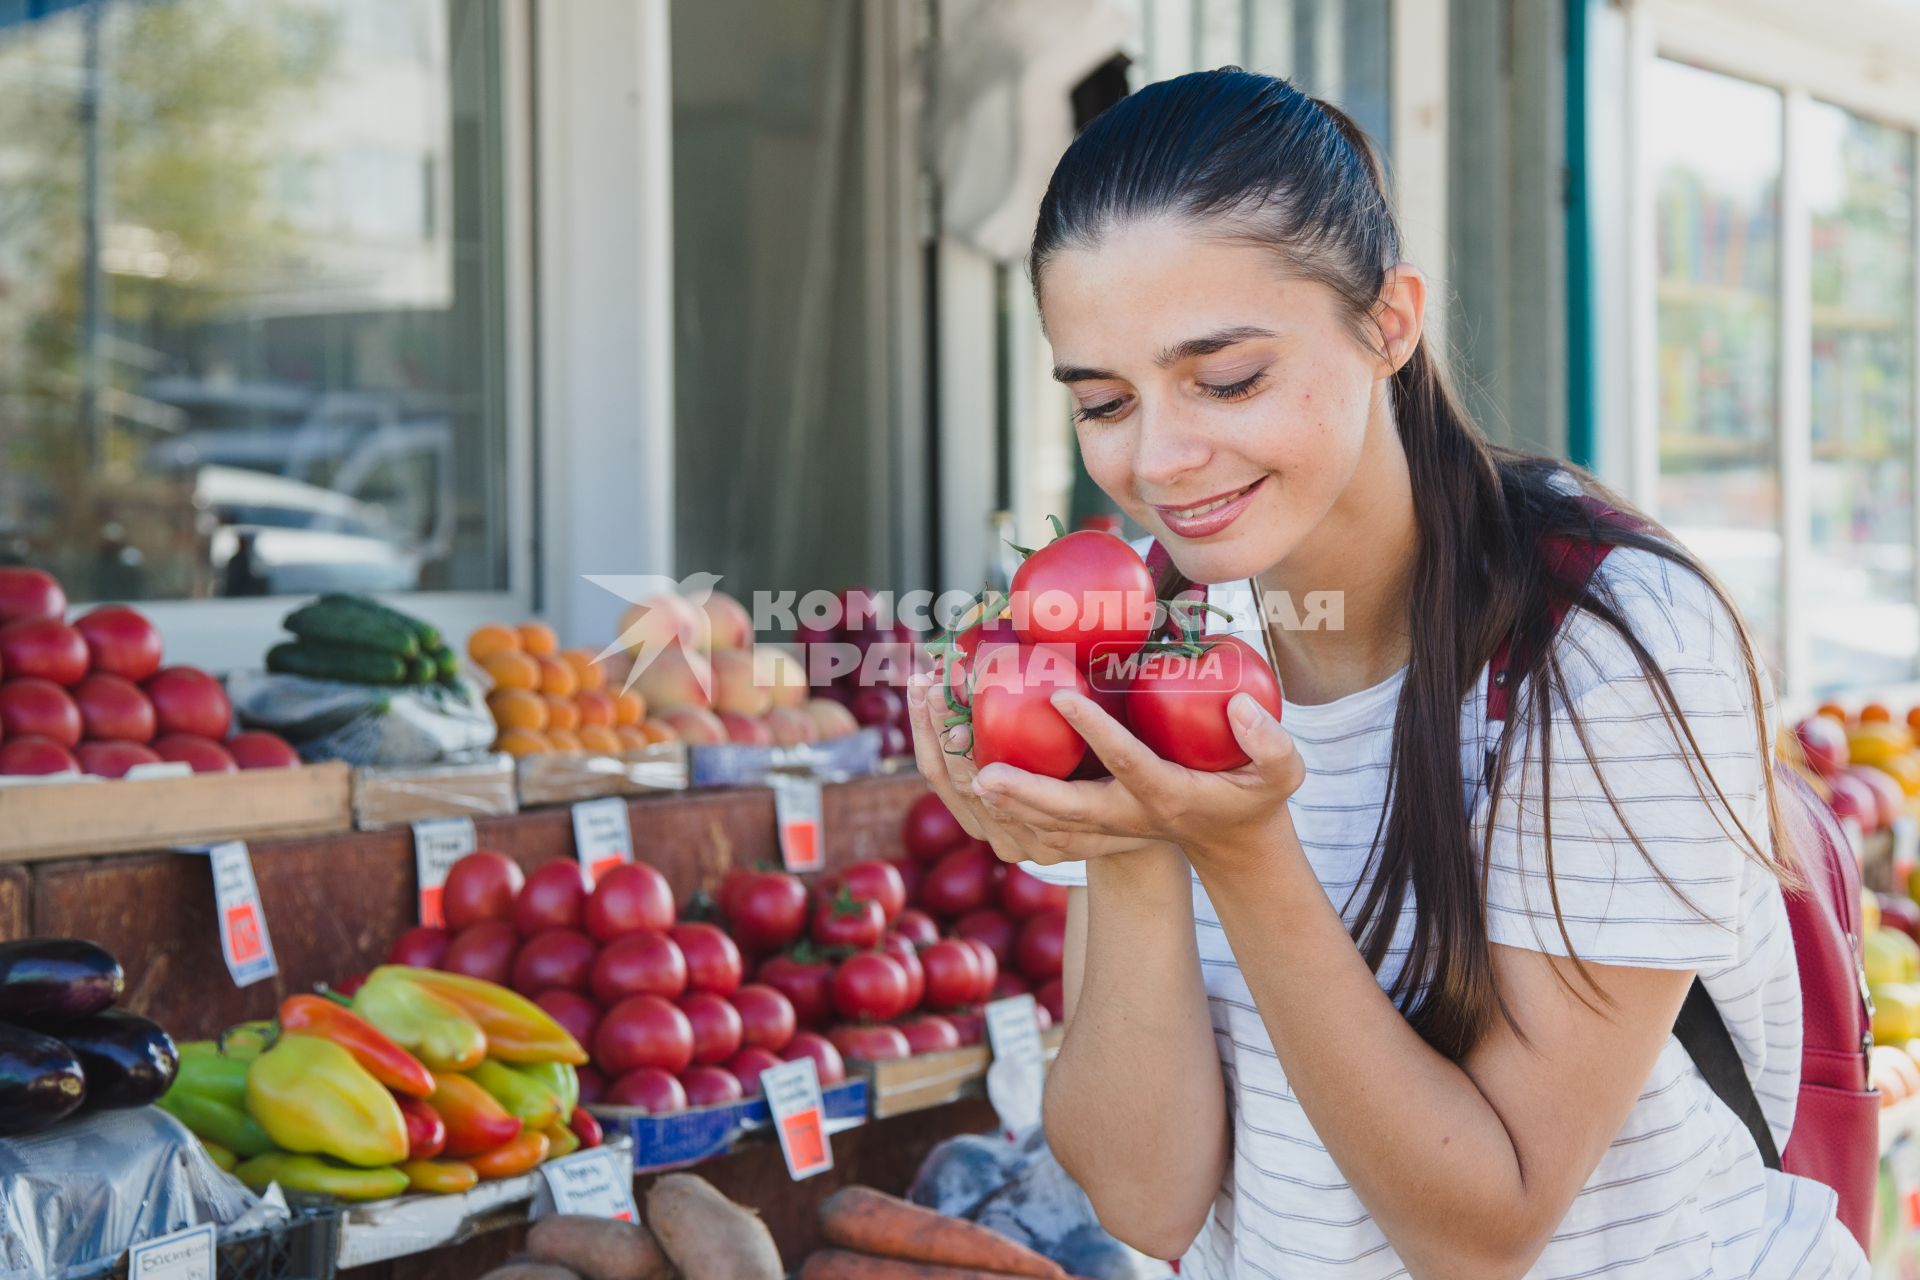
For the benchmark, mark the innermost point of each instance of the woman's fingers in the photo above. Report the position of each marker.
(935, 765)
(1048, 804)
(1269, 748)
(1126, 757)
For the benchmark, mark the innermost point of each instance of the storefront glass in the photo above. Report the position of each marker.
(251, 296)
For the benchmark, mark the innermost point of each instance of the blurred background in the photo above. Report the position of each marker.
(461, 300)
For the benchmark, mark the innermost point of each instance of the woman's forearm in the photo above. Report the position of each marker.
(1136, 1104)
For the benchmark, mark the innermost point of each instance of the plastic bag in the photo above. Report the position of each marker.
(77, 1197)
(1018, 1190)
(361, 723)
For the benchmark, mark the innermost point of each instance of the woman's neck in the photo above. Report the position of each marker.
(1363, 551)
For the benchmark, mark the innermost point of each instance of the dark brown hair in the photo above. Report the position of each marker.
(1264, 162)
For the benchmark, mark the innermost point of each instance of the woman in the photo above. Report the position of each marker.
(1347, 1011)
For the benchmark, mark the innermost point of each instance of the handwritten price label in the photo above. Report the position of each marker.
(602, 836)
(1017, 1079)
(799, 1116)
(244, 940)
(597, 1183)
(796, 811)
(437, 845)
(184, 1255)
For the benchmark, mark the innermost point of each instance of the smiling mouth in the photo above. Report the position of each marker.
(1211, 505)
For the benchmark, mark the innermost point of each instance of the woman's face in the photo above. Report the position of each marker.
(1223, 404)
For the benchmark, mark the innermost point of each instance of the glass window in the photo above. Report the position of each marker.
(1716, 168)
(250, 296)
(1859, 589)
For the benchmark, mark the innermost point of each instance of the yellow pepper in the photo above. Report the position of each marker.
(436, 1031)
(316, 1176)
(311, 1096)
(518, 1030)
(439, 1177)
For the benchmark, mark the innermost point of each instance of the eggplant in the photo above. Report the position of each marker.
(45, 978)
(41, 1081)
(129, 1061)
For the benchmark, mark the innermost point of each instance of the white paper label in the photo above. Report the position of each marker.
(184, 1255)
(796, 814)
(602, 836)
(437, 845)
(160, 769)
(1906, 843)
(799, 1116)
(1017, 1078)
(597, 1183)
(244, 939)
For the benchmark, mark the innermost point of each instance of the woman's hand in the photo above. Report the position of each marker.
(1212, 816)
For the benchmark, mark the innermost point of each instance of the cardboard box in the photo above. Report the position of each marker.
(564, 777)
(395, 795)
(57, 819)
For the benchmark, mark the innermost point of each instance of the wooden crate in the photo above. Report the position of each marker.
(935, 1079)
(61, 819)
(394, 795)
(562, 777)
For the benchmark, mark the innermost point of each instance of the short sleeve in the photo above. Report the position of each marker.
(1071, 874)
(1674, 901)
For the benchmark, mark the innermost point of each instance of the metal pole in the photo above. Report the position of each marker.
(92, 310)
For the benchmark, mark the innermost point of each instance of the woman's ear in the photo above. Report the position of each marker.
(1401, 312)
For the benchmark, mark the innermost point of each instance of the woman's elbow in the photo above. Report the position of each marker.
(1165, 1240)
(1159, 1221)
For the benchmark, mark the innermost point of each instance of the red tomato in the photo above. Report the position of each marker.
(952, 974)
(1014, 721)
(629, 898)
(554, 897)
(766, 910)
(203, 754)
(36, 756)
(960, 882)
(1009, 984)
(910, 872)
(652, 1089)
(992, 927)
(930, 829)
(188, 700)
(877, 1043)
(713, 962)
(481, 886)
(644, 963)
(747, 1065)
(32, 707)
(710, 1086)
(807, 985)
(1022, 894)
(424, 946)
(826, 1056)
(1177, 705)
(766, 1017)
(870, 986)
(846, 922)
(576, 1014)
(484, 950)
(593, 1085)
(113, 709)
(29, 593)
(970, 1023)
(717, 1027)
(553, 958)
(989, 967)
(930, 1033)
(112, 759)
(876, 881)
(120, 641)
(259, 749)
(917, 927)
(643, 1031)
(907, 956)
(47, 648)
(1052, 997)
(1043, 944)
(1088, 590)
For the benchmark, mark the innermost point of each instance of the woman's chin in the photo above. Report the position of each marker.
(1213, 562)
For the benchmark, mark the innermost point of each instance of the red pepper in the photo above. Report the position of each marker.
(514, 1157)
(585, 1128)
(384, 1060)
(426, 1131)
(475, 1122)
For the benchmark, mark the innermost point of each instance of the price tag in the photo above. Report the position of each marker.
(184, 1255)
(1017, 1078)
(799, 1116)
(796, 812)
(1906, 844)
(242, 921)
(602, 836)
(437, 845)
(597, 1183)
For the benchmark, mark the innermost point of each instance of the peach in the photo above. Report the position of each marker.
(778, 671)
(790, 727)
(830, 718)
(729, 625)
(659, 620)
(674, 679)
(735, 687)
(696, 726)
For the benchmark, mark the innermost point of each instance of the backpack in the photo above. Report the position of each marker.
(1835, 1138)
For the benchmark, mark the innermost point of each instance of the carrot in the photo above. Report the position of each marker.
(842, 1264)
(877, 1223)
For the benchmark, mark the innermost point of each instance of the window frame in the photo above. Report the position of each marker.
(228, 634)
(1861, 66)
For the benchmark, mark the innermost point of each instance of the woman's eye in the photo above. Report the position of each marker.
(1234, 390)
(1100, 412)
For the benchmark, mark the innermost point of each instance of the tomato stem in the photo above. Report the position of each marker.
(1024, 551)
(1059, 530)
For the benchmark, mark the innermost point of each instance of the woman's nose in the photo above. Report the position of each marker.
(1167, 446)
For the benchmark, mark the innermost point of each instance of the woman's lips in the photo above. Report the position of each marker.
(1209, 516)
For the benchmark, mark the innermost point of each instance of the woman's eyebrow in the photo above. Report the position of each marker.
(1172, 355)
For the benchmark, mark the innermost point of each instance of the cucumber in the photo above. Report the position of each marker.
(336, 662)
(446, 662)
(422, 670)
(346, 626)
(425, 634)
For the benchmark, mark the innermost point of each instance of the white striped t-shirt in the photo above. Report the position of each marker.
(1681, 1193)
